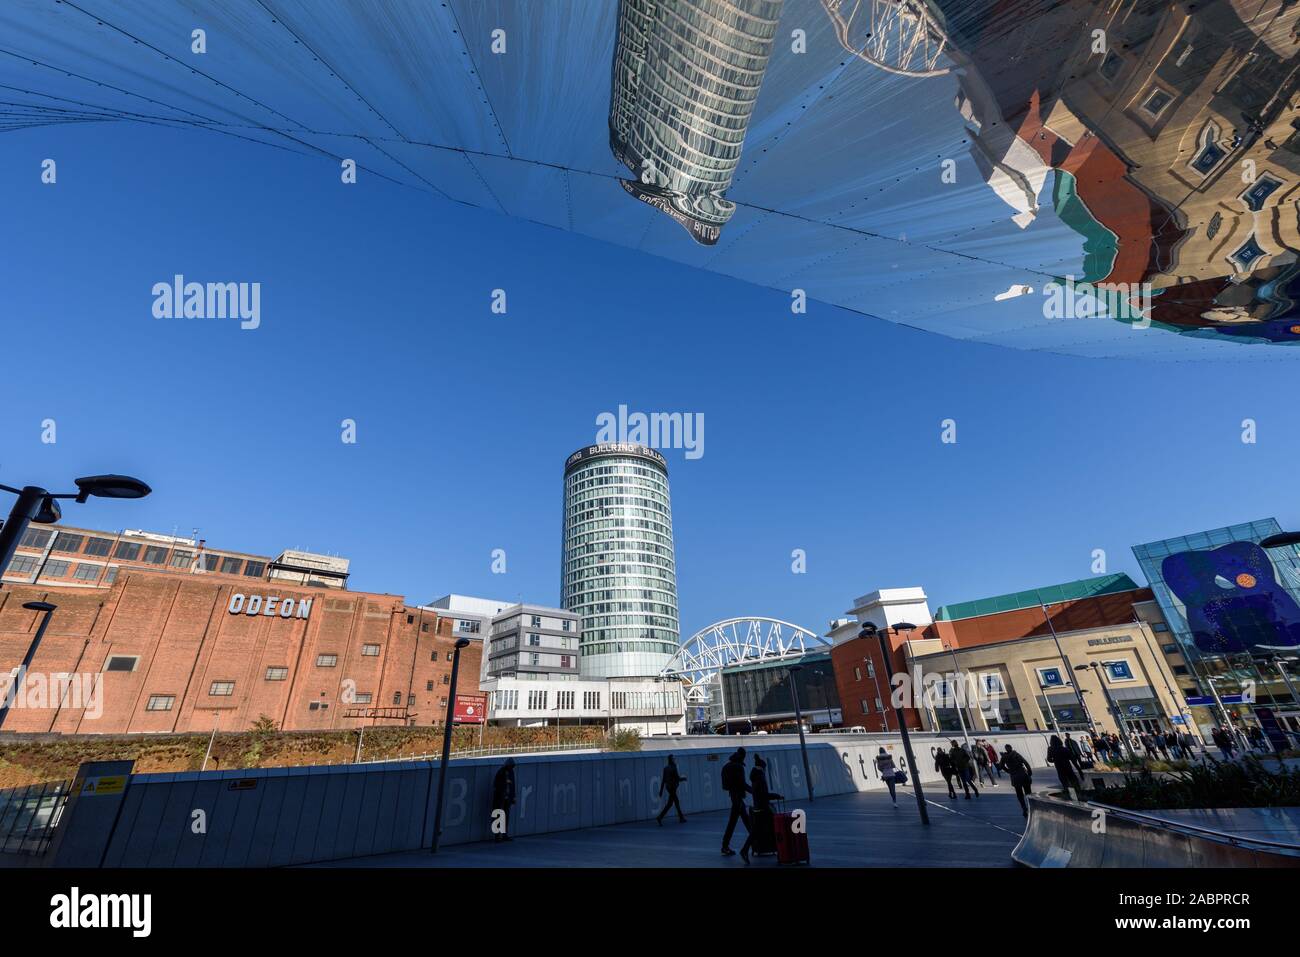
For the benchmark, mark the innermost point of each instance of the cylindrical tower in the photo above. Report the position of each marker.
(618, 570)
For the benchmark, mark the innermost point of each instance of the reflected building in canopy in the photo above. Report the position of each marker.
(686, 76)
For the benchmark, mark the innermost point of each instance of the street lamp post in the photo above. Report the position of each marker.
(798, 717)
(20, 676)
(1050, 713)
(1110, 705)
(868, 629)
(1066, 661)
(446, 742)
(875, 677)
(38, 505)
(956, 702)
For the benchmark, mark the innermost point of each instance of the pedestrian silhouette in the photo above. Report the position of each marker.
(888, 773)
(503, 798)
(1058, 755)
(1021, 774)
(965, 768)
(668, 784)
(733, 782)
(762, 834)
(943, 764)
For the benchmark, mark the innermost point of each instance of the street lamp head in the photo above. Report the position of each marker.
(868, 630)
(110, 486)
(905, 626)
(1091, 664)
(39, 606)
(49, 512)
(462, 643)
(1281, 540)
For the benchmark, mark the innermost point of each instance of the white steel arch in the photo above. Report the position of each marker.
(736, 641)
(898, 36)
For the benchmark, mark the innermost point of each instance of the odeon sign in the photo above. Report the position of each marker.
(267, 605)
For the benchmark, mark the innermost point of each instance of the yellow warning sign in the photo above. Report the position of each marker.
(105, 785)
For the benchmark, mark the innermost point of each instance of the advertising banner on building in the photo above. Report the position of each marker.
(470, 709)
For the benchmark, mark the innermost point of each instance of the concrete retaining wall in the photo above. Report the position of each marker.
(1066, 834)
(283, 816)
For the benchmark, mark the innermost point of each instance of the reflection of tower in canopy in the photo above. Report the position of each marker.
(898, 36)
(686, 76)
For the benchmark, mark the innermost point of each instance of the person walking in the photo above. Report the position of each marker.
(1224, 742)
(669, 781)
(1021, 774)
(503, 798)
(1058, 755)
(733, 782)
(965, 767)
(888, 773)
(1076, 755)
(993, 758)
(943, 764)
(982, 768)
(762, 834)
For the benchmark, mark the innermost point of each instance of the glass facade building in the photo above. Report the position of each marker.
(1232, 606)
(617, 570)
(758, 696)
(685, 78)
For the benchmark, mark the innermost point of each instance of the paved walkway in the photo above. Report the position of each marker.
(850, 830)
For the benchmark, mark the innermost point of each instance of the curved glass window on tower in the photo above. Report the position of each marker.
(617, 570)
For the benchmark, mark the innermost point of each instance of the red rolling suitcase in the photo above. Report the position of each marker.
(791, 847)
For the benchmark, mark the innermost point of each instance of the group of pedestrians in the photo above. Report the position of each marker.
(967, 764)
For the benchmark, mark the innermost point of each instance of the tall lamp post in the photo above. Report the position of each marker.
(38, 505)
(1066, 661)
(956, 703)
(875, 677)
(1110, 705)
(798, 717)
(868, 629)
(446, 742)
(20, 677)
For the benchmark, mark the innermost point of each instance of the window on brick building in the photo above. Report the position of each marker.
(56, 569)
(442, 702)
(210, 562)
(410, 619)
(99, 546)
(370, 651)
(397, 697)
(857, 673)
(182, 559)
(160, 702)
(121, 662)
(362, 697)
(424, 627)
(428, 686)
(68, 543)
(86, 573)
(222, 689)
(446, 679)
(254, 569)
(22, 565)
(326, 661)
(129, 551)
(36, 538)
(450, 655)
(231, 566)
(155, 554)
(110, 576)
(277, 673)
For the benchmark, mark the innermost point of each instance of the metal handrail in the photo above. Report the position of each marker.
(1225, 836)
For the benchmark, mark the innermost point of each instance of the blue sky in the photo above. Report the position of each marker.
(822, 431)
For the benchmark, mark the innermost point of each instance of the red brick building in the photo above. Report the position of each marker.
(161, 650)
